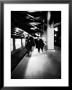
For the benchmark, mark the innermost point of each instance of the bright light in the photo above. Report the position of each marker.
(56, 29)
(18, 29)
(49, 16)
(29, 16)
(44, 39)
(37, 34)
(25, 34)
(39, 65)
(55, 35)
(18, 43)
(34, 28)
(31, 28)
(34, 23)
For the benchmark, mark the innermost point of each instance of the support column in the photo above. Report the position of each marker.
(50, 39)
(50, 33)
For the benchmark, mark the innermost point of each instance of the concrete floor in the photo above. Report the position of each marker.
(46, 65)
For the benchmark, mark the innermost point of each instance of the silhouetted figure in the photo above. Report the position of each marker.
(39, 44)
(29, 44)
(32, 42)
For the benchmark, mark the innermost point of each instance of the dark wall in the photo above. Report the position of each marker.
(17, 56)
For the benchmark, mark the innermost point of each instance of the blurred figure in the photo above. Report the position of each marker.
(39, 44)
(29, 44)
(32, 42)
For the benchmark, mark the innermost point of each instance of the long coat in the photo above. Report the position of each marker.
(39, 43)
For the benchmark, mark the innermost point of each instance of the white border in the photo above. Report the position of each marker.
(64, 8)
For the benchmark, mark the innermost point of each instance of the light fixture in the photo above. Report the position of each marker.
(34, 23)
(18, 29)
(55, 35)
(56, 29)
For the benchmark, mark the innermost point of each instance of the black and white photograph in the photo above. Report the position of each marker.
(35, 44)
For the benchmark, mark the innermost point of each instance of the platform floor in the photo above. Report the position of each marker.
(43, 65)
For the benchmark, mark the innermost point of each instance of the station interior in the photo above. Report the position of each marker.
(45, 64)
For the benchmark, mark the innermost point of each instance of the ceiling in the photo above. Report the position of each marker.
(31, 22)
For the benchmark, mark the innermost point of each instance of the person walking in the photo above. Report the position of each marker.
(29, 44)
(39, 44)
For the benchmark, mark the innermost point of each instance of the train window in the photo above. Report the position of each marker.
(18, 43)
(23, 42)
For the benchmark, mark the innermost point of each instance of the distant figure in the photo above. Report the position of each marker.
(29, 44)
(32, 42)
(39, 44)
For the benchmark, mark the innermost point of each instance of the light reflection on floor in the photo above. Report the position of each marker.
(39, 66)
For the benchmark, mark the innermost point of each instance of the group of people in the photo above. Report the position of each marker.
(31, 43)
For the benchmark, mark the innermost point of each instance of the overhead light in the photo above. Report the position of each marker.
(55, 35)
(37, 34)
(30, 16)
(33, 28)
(56, 29)
(34, 23)
(18, 29)
(25, 33)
